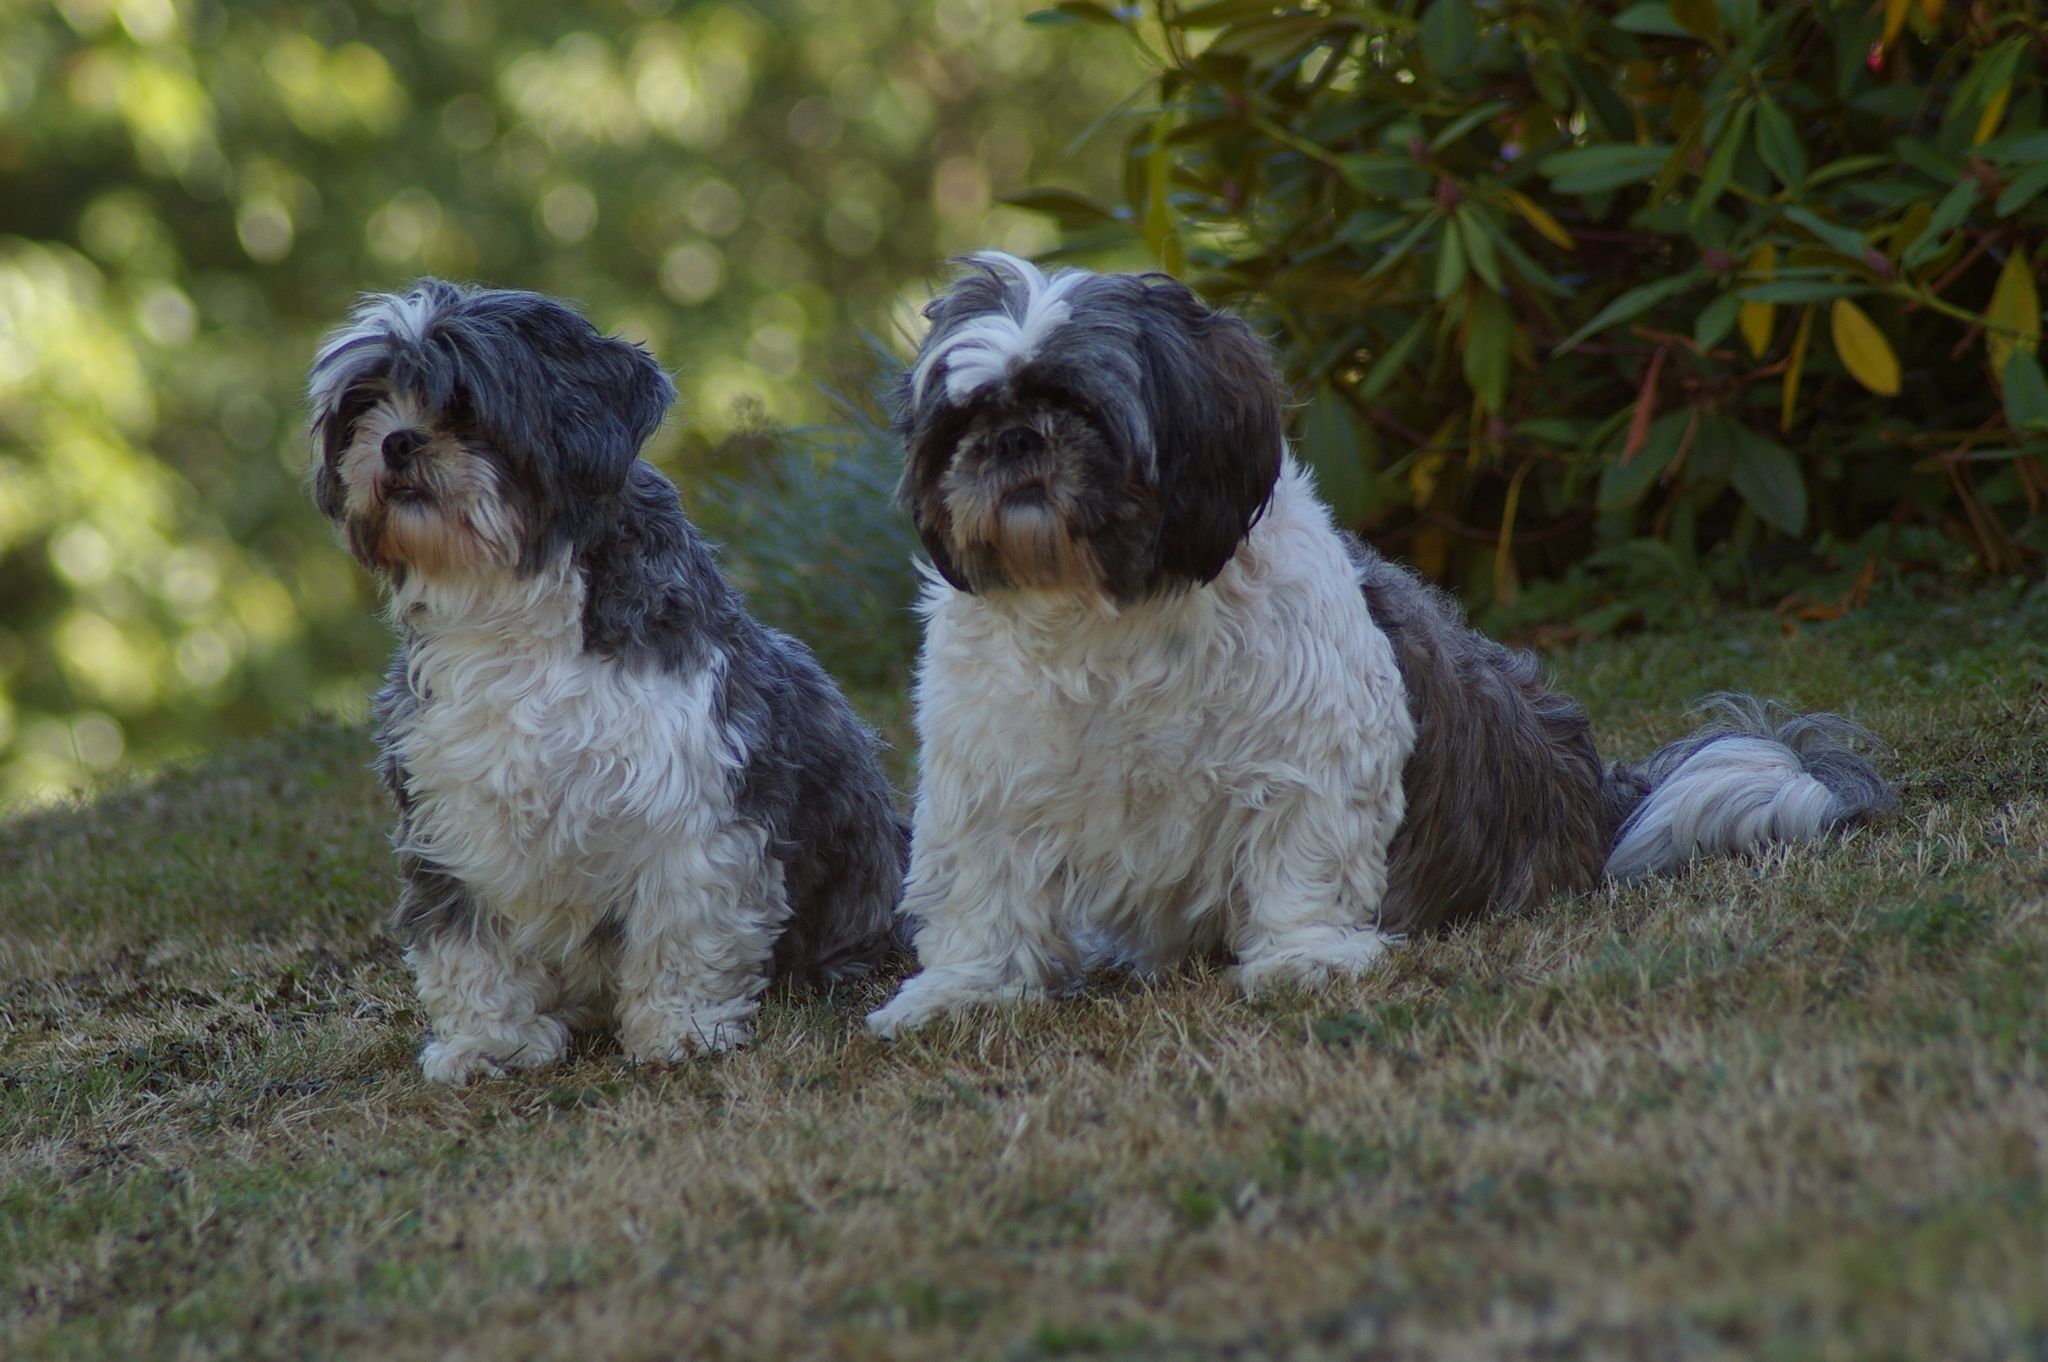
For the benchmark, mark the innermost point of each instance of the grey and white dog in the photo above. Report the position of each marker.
(620, 799)
(1166, 705)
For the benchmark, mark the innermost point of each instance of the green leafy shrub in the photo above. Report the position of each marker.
(1657, 286)
(810, 533)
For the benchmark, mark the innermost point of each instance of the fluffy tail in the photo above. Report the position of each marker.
(1758, 774)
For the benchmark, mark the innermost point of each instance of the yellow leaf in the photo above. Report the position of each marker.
(1794, 368)
(1701, 18)
(1506, 584)
(1993, 111)
(1162, 233)
(1930, 10)
(1549, 226)
(1423, 475)
(1894, 20)
(1757, 319)
(1863, 348)
(1430, 550)
(2014, 317)
(1429, 464)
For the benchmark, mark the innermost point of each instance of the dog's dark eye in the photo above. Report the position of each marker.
(354, 403)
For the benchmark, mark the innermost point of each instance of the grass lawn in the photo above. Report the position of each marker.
(1789, 1107)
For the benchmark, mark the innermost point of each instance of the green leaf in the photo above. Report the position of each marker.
(1845, 240)
(1371, 225)
(1469, 120)
(1479, 247)
(1333, 445)
(1768, 478)
(1489, 336)
(1623, 484)
(1265, 41)
(1554, 430)
(1716, 320)
(1801, 291)
(1981, 90)
(1384, 177)
(1850, 165)
(2019, 147)
(1073, 12)
(1449, 35)
(1953, 208)
(1605, 106)
(1394, 358)
(1450, 261)
(1896, 102)
(1220, 12)
(1633, 303)
(1064, 206)
(1398, 252)
(1713, 445)
(1588, 170)
(1721, 164)
(1652, 18)
(1779, 144)
(1935, 165)
(1527, 270)
(2026, 392)
(2022, 191)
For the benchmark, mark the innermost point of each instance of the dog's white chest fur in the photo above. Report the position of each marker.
(1125, 770)
(544, 777)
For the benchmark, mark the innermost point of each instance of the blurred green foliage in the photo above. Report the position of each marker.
(191, 191)
(1654, 294)
(812, 534)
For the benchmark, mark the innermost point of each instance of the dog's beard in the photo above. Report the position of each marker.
(445, 512)
(1036, 518)
(1018, 536)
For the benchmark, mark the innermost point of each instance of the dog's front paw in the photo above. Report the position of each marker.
(660, 1034)
(900, 1014)
(458, 1058)
(1315, 961)
(926, 997)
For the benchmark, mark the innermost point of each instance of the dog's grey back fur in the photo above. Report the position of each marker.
(1506, 805)
(1506, 801)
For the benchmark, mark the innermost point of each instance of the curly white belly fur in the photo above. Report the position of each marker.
(565, 790)
(1215, 767)
(545, 778)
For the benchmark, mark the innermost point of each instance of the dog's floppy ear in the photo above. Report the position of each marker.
(333, 426)
(928, 423)
(1216, 405)
(365, 357)
(929, 430)
(558, 396)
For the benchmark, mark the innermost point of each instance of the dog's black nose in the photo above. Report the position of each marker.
(1016, 442)
(399, 448)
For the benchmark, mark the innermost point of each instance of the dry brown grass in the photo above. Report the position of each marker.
(1792, 1107)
